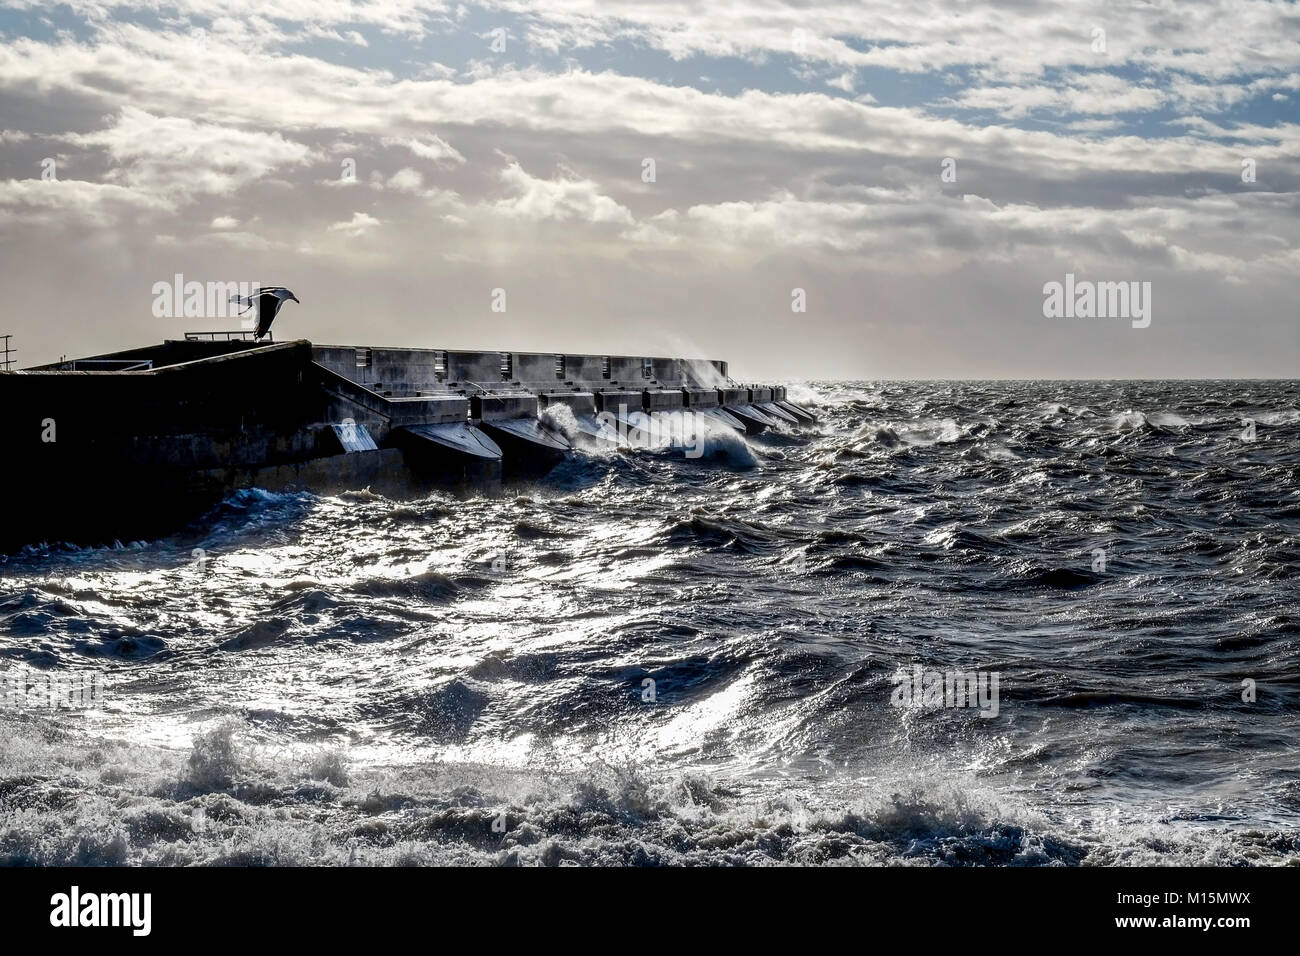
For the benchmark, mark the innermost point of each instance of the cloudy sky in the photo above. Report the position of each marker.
(395, 161)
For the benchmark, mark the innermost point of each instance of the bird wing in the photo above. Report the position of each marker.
(268, 304)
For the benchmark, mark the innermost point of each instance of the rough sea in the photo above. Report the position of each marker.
(649, 659)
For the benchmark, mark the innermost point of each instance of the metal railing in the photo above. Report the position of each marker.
(7, 362)
(241, 335)
(115, 365)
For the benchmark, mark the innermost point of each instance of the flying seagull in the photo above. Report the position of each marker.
(268, 301)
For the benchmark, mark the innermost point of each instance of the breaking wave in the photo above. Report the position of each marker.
(649, 658)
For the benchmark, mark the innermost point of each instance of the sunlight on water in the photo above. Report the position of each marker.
(649, 658)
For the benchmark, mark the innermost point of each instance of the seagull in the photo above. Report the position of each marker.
(268, 301)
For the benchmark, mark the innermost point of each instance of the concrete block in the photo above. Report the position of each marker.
(427, 409)
(609, 400)
(514, 405)
(701, 397)
(582, 403)
(662, 399)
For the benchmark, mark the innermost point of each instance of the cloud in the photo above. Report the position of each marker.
(1089, 94)
(406, 180)
(65, 202)
(845, 81)
(217, 138)
(176, 158)
(433, 148)
(358, 225)
(563, 198)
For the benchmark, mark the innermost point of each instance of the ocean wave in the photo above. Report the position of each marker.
(641, 658)
(221, 803)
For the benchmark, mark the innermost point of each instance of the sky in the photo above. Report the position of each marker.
(871, 190)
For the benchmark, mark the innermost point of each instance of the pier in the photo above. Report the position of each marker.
(131, 443)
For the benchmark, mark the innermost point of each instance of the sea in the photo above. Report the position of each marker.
(950, 624)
